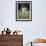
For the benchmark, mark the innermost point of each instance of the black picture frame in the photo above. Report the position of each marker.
(23, 10)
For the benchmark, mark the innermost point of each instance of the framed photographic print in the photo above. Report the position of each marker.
(23, 10)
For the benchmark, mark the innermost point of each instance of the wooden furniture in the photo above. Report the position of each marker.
(11, 40)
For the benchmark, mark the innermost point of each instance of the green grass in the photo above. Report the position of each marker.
(23, 15)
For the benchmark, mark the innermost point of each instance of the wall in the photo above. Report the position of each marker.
(31, 30)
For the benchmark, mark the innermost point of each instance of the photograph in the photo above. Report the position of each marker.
(24, 10)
